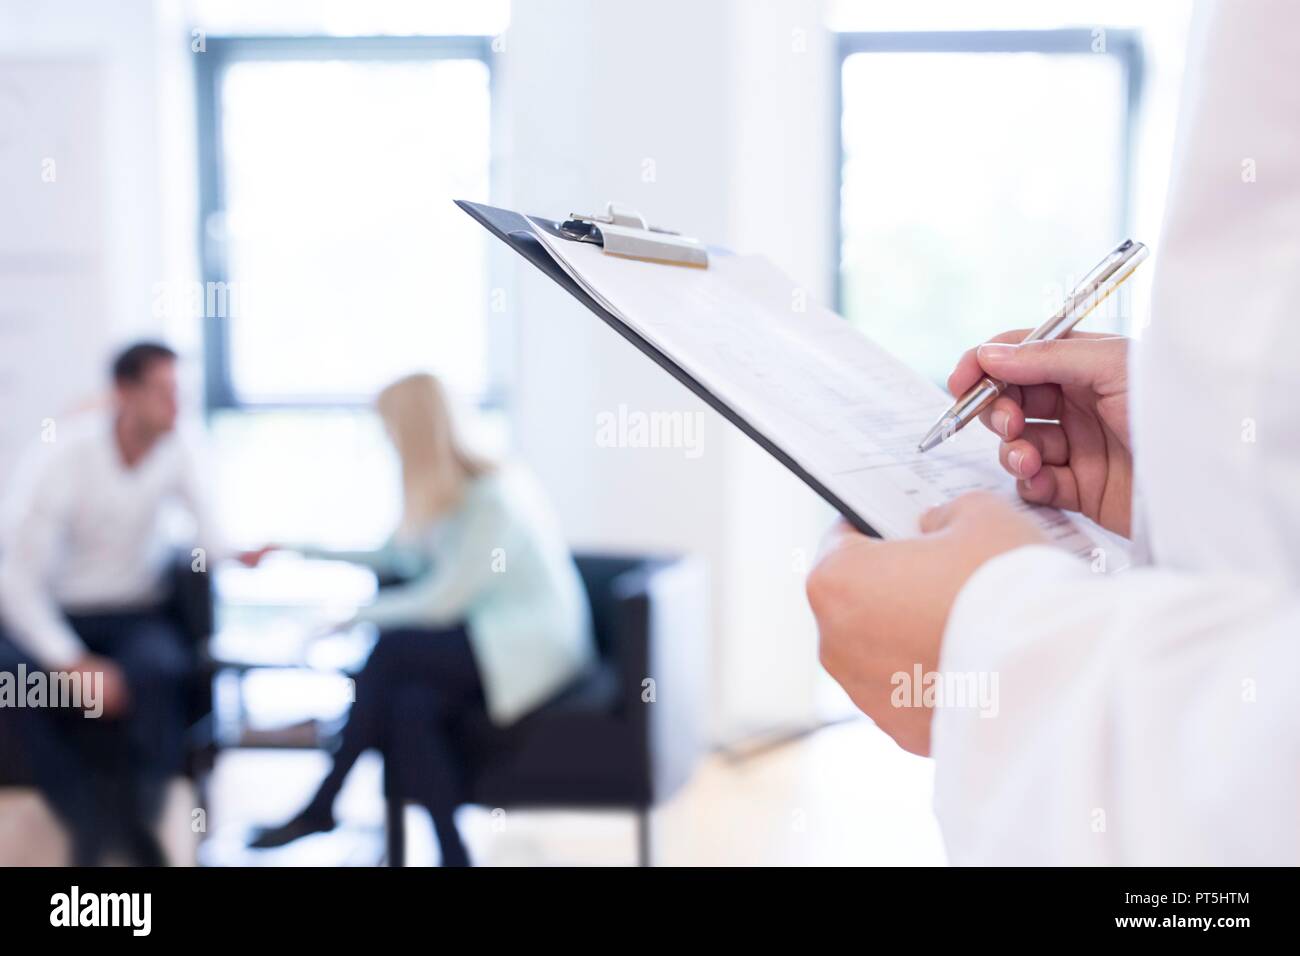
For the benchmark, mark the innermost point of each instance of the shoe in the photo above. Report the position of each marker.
(304, 824)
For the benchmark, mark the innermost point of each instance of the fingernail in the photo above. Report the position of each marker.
(1001, 423)
(1014, 458)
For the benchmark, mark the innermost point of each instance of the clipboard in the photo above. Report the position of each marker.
(514, 230)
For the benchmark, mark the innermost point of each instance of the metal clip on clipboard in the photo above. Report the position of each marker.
(624, 232)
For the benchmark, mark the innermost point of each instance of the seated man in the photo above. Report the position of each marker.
(83, 556)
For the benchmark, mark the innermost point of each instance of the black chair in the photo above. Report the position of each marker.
(627, 734)
(192, 605)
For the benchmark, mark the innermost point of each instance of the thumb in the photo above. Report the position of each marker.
(959, 510)
(1082, 362)
(936, 518)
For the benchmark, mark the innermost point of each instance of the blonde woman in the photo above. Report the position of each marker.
(492, 615)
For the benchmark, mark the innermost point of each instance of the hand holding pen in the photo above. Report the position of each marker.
(1063, 419)
(1095, 287)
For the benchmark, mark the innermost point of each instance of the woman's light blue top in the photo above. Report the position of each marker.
(498, 564)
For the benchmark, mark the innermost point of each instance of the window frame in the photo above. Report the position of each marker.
(1123, 44)
(220, 53)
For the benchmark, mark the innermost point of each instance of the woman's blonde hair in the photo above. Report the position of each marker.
(436, 467)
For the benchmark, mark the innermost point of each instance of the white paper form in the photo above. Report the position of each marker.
(846, 410)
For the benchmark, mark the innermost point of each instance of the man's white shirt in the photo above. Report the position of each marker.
(83, 532)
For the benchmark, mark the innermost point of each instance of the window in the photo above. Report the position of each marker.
(334, 262)
(330, 166)
(983, 174)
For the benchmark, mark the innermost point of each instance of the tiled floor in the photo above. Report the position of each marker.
(843, 796)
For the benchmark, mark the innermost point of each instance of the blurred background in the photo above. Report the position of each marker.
(267, 186)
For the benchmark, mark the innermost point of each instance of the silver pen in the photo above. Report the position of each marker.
(1087, 295)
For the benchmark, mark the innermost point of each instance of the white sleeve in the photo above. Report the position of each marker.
(1146, 717)
(193, 487)
(33, 533)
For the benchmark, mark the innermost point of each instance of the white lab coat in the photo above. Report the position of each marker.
(1153, 716)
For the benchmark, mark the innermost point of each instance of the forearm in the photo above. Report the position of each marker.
(442, 595)
(35, 624)
(385, 561)
(408, 606)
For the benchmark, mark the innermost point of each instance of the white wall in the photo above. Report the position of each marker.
(79, 256)
(52, 275)
(587, 104)
(783, 187)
